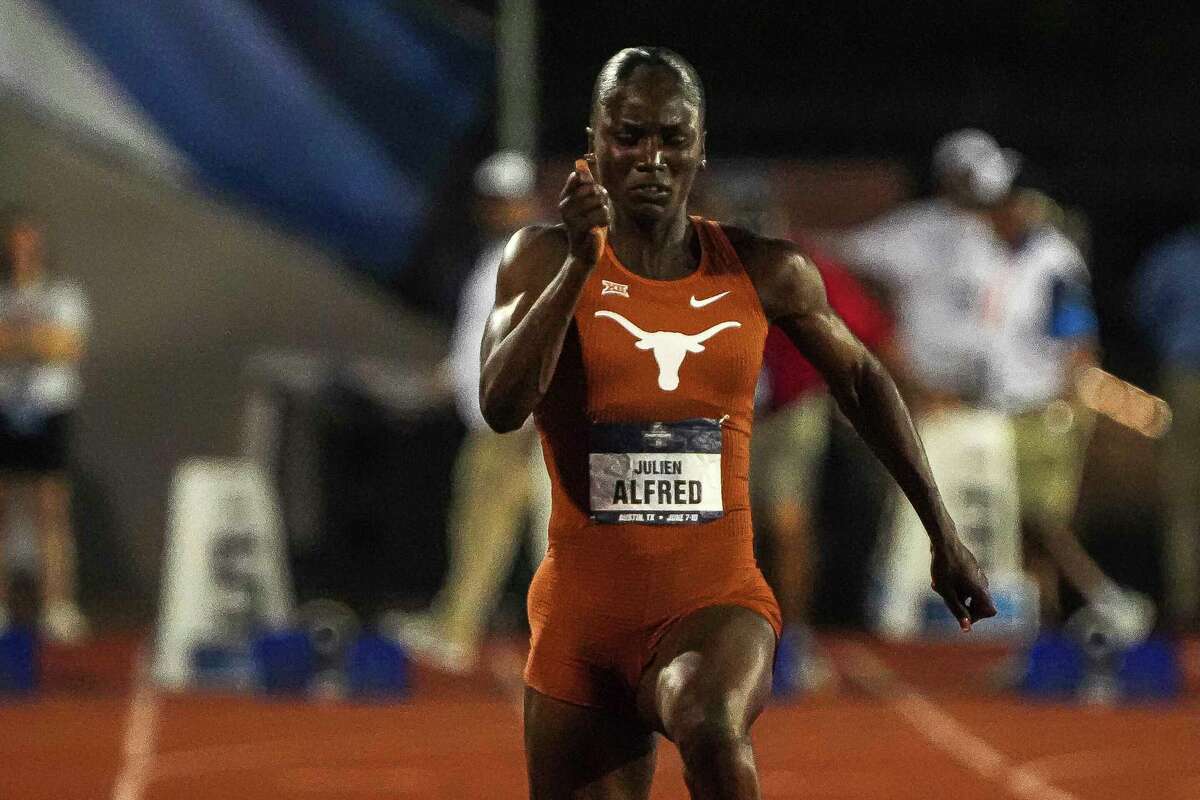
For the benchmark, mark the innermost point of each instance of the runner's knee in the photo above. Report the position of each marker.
(705, 729)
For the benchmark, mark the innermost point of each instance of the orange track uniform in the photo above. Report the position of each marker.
(606, 593)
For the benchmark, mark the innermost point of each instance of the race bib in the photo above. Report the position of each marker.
(660, 473)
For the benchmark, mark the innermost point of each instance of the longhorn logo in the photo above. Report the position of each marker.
(668, 347)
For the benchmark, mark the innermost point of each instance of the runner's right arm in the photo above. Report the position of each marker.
(543, 271)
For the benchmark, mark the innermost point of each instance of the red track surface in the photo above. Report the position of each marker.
(460, 739)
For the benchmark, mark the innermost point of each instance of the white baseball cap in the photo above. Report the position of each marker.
(990, 169)
(505, 174)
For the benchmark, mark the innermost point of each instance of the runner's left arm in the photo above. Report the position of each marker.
(793, 297)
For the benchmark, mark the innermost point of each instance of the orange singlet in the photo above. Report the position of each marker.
(646, 351)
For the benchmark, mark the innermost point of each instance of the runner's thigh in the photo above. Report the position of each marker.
(578, 753)
(715, 662)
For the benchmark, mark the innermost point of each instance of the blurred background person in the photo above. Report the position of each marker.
(43, 321)
(1039, 319)
(1167, 305)
(933, 258)
(500, 481)
(995, 318)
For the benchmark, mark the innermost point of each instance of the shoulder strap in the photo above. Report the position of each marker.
(723, 258)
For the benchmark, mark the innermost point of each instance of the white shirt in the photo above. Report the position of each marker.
(937, 259)
(474, 306)
(41, 387)
(1028, 367)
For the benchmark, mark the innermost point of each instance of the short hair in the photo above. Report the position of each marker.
(618, 69)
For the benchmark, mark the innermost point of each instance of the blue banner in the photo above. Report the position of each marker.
(337, 119)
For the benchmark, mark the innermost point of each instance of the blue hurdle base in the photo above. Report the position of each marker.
(18, 661)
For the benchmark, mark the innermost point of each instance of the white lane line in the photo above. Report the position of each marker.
(1091, 763)
(945, 732)
(141, 729)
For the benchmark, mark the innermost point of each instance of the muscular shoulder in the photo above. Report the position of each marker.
(787, 281)
(537, 243)
(532, 257)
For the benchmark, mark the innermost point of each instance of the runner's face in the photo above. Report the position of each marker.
(648, 144)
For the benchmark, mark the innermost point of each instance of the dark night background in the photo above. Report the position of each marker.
(1101, 97)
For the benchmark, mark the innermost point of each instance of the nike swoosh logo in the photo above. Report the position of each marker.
(706, 301)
